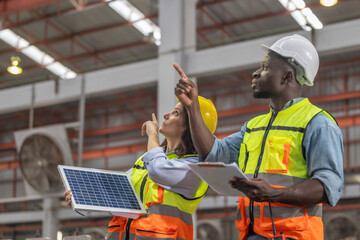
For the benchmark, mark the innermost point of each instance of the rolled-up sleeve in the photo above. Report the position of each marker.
(227, 149)
(323, 143)
(172, 174)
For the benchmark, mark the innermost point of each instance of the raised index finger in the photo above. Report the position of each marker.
(179, 70)
(154, 118)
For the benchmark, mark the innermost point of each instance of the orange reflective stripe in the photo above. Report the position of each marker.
(285, 160)
(160, 193)
(117, 224)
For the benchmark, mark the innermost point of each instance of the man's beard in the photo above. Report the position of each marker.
(261, 95)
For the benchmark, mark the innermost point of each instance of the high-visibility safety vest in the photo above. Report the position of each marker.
(272, 150)
(169, 214)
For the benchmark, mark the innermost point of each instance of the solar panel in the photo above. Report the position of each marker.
(101, 190)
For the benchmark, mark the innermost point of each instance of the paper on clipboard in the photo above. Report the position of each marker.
(218, 175)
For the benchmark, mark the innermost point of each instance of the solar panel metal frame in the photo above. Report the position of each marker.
(84, 207)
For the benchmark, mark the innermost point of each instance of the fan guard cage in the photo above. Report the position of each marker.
(40, 151)
(209, 229)
(39, 157)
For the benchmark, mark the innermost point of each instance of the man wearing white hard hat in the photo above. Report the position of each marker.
(292, 155)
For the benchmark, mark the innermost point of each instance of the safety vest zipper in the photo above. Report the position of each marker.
(127, 236)
(251, 208)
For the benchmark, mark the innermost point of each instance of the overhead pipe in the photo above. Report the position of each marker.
(8, 7)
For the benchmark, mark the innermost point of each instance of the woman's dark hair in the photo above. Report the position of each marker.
(186, 146)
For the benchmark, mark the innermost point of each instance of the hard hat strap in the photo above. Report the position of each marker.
(299, 71)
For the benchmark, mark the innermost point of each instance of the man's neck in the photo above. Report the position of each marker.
(279, 104)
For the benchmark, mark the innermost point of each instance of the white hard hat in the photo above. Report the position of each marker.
(301, 54)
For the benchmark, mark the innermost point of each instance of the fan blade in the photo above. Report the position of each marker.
(52, 175)
(39, 158)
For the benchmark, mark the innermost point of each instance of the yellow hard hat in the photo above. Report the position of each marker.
(208, 113)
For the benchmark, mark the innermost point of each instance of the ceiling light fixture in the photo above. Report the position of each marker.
(36, 54)
(147, 27)
(303, 15)
(14, 68)
(328, 3)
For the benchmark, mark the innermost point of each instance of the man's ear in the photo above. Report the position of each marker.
(289, 76)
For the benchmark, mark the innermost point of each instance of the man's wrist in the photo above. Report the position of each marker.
(194, 107)
(280, 195)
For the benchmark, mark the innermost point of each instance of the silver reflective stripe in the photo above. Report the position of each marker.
(238, 215)
(166, 210)
(247, 211)
(315, 211)
(283, 212)
(280, 179)
(256, 213)
(132, 236)
(112, 236)
(250, 175)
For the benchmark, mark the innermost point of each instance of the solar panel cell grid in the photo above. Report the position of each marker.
(101, 189)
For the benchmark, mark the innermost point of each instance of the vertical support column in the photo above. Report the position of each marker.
(177, 21)
(50, 220)
(81, 121)
(32, 106)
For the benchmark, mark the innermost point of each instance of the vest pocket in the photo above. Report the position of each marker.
(249, 151)
(117, 224)
(155, 226)
(278, 151)
(154, 193)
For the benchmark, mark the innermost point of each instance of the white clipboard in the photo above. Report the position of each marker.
(217, 176)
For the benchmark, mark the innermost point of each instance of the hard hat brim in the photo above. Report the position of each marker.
(265, 48)
(268, 49)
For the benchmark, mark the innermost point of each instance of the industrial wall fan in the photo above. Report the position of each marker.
(40, 151)
(96, 233)
(341, 227)
(209, 229)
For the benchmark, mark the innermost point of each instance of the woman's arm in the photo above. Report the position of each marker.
(151, 128)
(172, 174)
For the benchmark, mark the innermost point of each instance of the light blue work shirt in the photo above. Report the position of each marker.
(323, 145)
(172, 174)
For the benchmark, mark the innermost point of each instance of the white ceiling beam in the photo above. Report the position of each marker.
(333, 38)
(96, 83)
(339, 38)
(227, 58)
